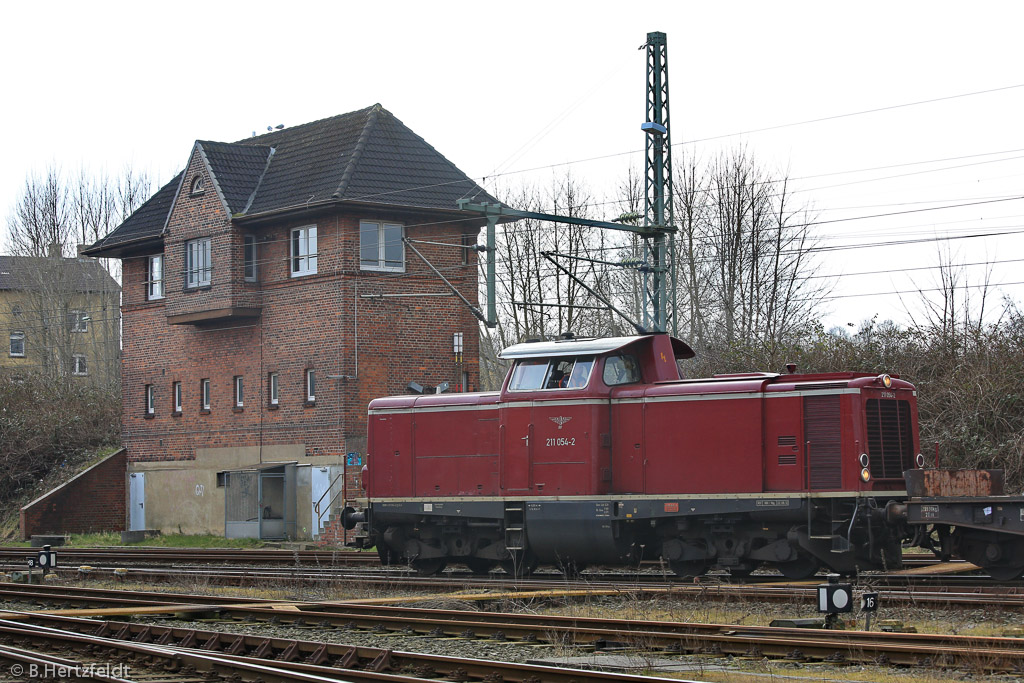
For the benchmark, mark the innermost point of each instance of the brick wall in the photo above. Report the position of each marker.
(92, 501)
(343, 321)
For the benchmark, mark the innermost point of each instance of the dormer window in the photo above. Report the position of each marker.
(198, 186)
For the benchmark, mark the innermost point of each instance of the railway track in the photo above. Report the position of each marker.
(155, 556)
(162, 556)
(895, 589)
(663, 638)
(186, 652)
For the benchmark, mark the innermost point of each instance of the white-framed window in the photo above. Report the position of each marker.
(303, 251)
(198, 262)
(273, 389)
(380, 246)
(204, 393)
(78, 321)
(198, 186)
(150, 400)
(155, 278)
(18, 344)
(239, 391)
(176, 393)
(310, 385)
(79, 365)
(249, 257)
(468, 244)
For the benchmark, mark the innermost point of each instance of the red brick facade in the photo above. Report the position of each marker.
(363, 332)
(92, 501)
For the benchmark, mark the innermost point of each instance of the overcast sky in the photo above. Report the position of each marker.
(507, 87)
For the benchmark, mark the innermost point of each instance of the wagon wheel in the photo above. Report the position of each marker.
(479, 566)
(804, 567)
(429, 566)
(690, 569)
(1004, 572)
(520, 564)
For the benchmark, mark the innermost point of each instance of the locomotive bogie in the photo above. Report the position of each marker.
(734, 533)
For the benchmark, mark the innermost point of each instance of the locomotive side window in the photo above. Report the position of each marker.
(580, 373)
(529, 374)
(556, 373)
(621, 369)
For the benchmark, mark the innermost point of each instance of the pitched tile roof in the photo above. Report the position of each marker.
(23, 273)
(236, 170)
(367, 156)
(146, 223)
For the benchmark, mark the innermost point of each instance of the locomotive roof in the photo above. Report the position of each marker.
(584, 346)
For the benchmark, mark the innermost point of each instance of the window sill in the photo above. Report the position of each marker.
(204, 411)
(237, 409)
(304, 273)
(197, 288)
(273, 406)
(382, 269)
(310, 404)
(176, 413)
(149, 416)
(155, 298)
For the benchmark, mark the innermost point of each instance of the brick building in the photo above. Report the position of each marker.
(268, 296)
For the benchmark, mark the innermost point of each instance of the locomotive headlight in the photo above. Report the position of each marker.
(864, 460)
(865, 475)
(886, 380)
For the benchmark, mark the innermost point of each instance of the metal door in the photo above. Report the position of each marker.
(516, 447)
(320, 482)
(137, 501)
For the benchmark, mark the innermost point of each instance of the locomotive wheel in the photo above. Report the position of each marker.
(479, 566)
(429, 566)
(803, 568)
(520, 565)
(387, 555)
(689, 570)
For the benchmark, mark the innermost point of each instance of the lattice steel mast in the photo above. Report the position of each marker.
(658, 216)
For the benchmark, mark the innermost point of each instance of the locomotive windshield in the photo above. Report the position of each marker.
(568, 372)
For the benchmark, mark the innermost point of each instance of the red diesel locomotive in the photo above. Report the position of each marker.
(598, 451)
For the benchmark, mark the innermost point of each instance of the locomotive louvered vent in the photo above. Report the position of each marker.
(824, 385)
(821, 430)
(890, 438)
(789, 443)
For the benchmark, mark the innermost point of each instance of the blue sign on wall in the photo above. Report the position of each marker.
(353, 459)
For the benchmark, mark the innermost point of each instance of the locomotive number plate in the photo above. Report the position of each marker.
(561, 441)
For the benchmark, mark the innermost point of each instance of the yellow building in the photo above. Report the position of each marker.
(60, 317)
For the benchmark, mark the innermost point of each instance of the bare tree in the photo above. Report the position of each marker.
(745, 253)
(67, 306)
